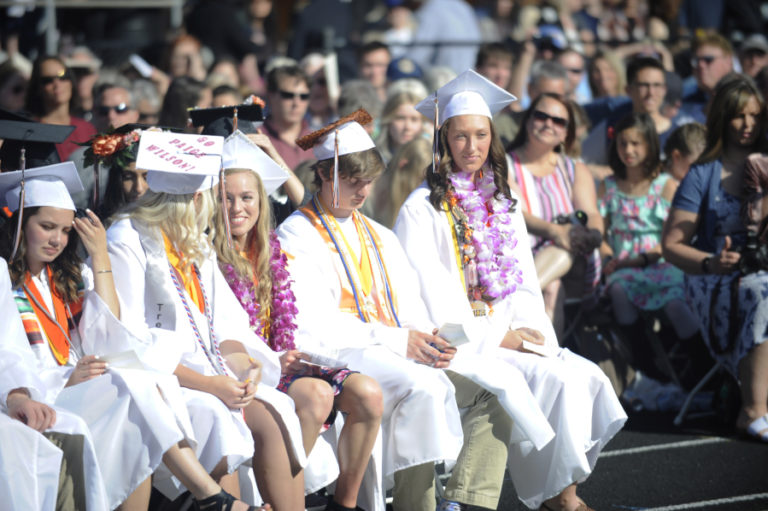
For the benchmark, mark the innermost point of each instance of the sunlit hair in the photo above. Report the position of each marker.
(522, 135)
(362, 165)
(731, 97)
(394, 102)
(646, 128)
(688, 139)
(616, 65)
(438, 182)
(65, 268)
(183, 220)
(256, 249)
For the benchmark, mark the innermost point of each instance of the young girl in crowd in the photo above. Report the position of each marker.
(634, 203)
(683, 148)
(184, 317)
(134, 426)
(256, 270)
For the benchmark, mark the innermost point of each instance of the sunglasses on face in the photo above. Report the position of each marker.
(119, 109)
(560, 122)
(304, 96)
(706, 59)
(575, 70)
(47, 80)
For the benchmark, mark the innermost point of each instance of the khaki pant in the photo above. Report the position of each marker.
(479, 472)
(71, 495)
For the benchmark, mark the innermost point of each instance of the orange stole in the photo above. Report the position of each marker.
(58, 340)
(191, 282)
(373, 306)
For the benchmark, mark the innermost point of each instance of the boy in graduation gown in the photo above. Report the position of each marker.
(359, 301)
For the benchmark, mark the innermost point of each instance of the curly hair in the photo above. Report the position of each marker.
(440, 185)
(255, 263)
(65, 268)
(184, 221)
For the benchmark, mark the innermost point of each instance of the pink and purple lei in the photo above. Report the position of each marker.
(282, 312)
(489, 224)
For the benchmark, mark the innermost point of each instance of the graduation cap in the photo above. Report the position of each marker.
(468, 94)
(345, 136)
(224, 120)
(37, 139)
(241, 153)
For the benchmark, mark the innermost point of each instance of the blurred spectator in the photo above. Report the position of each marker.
(183, 93)
(357, 94)
(322, 108)
(287, 101)
(606, 75)
(148, 101)
(50, 99)
(402, 28)
(402, 68)
(436, 77)
(451, 21)
(185, 58)
(85, 66)
(221, 26)
(400, 123)
(13, 87)
(373, 60)
(114, 107)
(712, 60)
(412, 86)
(575, 64)
(683, 148)
(753, 54)
(224, 95)
(494, 61)
(224, 72)
(673, 99)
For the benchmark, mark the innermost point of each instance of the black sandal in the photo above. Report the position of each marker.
(222, 501)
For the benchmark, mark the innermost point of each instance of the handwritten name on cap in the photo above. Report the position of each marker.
(183, 153)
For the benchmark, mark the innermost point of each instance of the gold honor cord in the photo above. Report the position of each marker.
(335, 199)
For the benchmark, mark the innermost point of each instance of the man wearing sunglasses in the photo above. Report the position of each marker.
(712, 60)
(113, 106)
(287, 103)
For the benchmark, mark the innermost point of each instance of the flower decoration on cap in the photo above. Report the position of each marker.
(113, 148)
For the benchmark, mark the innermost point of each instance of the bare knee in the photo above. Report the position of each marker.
(362, 398)
(313, 398)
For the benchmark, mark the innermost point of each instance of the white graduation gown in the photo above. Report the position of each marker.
(421, 422)
(29, 463)
(157, 328)
(134, 415)
(573, 393)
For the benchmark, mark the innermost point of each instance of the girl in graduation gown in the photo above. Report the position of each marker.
(185, 320)
(466, 238)
(134, 415)
(256, 270)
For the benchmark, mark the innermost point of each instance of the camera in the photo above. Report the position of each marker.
(754, 255)
(578, 217)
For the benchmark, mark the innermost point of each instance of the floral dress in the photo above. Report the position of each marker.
(634, 227)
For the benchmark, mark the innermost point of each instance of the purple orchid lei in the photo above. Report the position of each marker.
(489, 223)
(282, 312)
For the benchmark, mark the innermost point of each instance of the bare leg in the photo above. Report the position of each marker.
(753, 373)
(554, 305)
(361, 400)
(139, 499)
(278, 482)
(551, 264)
(567, 500)
(230, 483)
(314, 401)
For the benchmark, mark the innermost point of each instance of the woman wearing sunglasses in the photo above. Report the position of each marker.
(553, 188)
(51, 98)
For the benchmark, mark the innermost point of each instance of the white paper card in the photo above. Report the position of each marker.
(126, 360)
(539, 349)
(322, 360)
(183, 153)
(454, 333)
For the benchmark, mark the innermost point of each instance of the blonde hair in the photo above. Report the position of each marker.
(183, 220)
(394, 101)
(257, 249)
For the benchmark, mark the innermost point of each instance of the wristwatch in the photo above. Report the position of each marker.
(705, 264)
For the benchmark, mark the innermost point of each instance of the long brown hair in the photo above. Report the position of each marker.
(438, 182)
(65, 268)
(257, 248)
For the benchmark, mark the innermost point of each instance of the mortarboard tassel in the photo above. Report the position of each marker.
(17, 236)
(234, 121)
(435, 141)
(225, 213)
(335, 201)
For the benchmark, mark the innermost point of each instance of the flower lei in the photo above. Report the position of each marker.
(111, 148)
(485, 235)
(281, 324)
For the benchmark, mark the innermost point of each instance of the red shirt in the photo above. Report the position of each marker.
(290, 152)
(84, 131)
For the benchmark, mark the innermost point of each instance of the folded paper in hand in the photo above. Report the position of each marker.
(125, 360)
(454, 333)
(322, 360)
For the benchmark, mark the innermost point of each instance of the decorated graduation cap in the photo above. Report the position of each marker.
(468, 94)
(179, 164)
(34, 142)
(222, 121)
(345, 136)
(51, 186)
(241, 153)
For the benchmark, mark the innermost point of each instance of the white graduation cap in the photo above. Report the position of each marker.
(241, 153)
(43, 186)
(345, 136)
(180, 164)
(467, 94)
